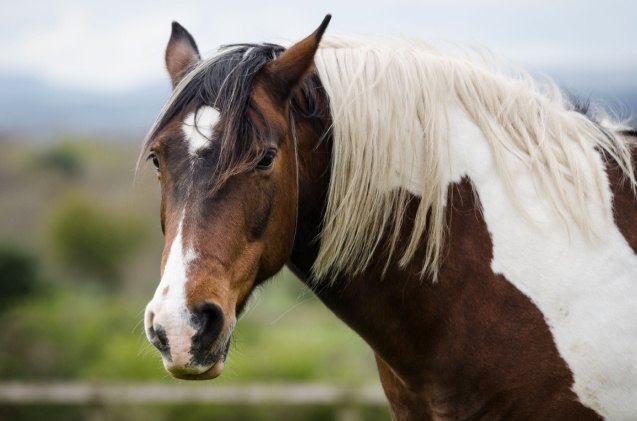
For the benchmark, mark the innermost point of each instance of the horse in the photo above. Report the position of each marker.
(475, 226)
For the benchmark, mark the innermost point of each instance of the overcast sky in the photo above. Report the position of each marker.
(119, 44)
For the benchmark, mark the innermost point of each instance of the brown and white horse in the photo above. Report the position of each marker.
(472, 225)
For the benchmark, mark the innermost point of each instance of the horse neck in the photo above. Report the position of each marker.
(344, 295)
(354, 298)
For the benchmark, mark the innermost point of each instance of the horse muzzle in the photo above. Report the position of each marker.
(193, 343)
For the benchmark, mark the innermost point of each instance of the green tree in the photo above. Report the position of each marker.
(93, 240)
(18, 275)
(63, 159)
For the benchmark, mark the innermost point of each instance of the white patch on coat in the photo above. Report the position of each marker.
(169, 309)
(199, 132)
(586, 288)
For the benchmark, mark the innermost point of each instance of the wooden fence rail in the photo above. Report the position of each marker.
(149, 393)
(346, 400)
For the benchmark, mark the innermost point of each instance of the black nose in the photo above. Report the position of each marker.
(208, 319)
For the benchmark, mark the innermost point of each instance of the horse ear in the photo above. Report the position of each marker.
(287, 71)
(181, 53)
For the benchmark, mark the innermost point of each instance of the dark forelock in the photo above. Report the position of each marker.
(224, 82)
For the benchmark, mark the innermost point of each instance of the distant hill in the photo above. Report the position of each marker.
(35, 109)
(32, 108)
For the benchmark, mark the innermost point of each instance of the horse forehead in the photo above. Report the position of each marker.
(270, 114)
(198, 127)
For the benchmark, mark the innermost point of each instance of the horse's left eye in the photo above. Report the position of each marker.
(267, 160)
(153, 157)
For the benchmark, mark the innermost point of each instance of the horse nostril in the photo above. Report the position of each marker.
(157, 337)
(208, 318)
(161, 337)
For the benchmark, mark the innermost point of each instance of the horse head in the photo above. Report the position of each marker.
(225, 154)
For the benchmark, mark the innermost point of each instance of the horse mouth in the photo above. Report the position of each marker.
(210, 367)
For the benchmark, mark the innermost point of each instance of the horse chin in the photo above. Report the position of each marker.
(207, 374)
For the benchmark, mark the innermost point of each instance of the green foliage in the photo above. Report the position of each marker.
(18, 275)
(93, 241)
(62, 158)
(185, 412)
(290, 335)
(82, 333)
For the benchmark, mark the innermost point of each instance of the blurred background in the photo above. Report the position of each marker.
(80, 241)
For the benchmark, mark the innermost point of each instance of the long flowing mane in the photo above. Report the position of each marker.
(386, 94)
(387, 100)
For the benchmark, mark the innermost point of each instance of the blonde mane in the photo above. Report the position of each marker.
(383, 94)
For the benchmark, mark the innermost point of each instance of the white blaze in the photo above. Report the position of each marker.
(169, 302)
(198, 131)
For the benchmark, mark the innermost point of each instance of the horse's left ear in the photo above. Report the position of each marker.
(287, 71)
(181, 53)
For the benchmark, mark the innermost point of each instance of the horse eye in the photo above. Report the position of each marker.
(267, 160)
(153, 157)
